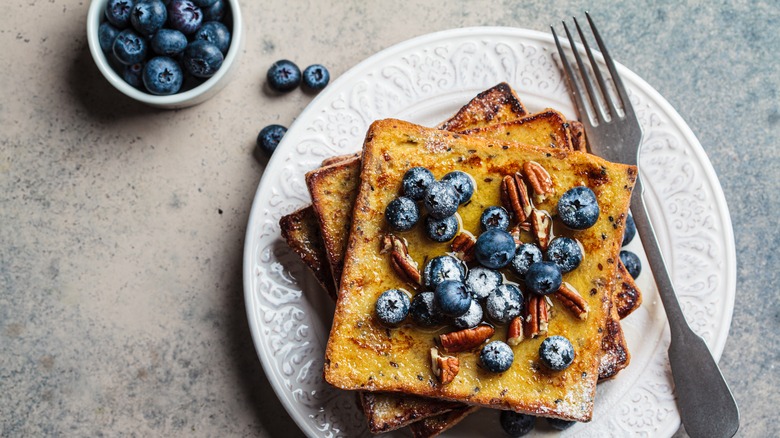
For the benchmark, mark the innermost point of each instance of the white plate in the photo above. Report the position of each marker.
(425, 80)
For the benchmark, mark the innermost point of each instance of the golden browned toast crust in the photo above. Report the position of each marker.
(546, 128)
(577, 133)
(494, 105)
(363, 355)
(387, 411)
(435, 425)
(627, 295)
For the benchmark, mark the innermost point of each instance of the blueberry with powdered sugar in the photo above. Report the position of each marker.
(494, 217)
(392, 307)
(402, 214)
(423, 311)
(565, 252)
(504, 303)
(441, 199)
(483, 281)
(631, 262)
(556, 353)
(463, 184)
(526, 255)
(415, 181)
(471, 318)
(441, 230)
(496, 356)
(578, 208)
(442, 268)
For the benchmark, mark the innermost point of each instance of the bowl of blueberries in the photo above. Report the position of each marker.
(166, 53)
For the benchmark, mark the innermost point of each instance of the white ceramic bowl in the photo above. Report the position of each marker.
(183, 99)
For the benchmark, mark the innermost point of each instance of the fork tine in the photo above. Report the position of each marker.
(628, 109)
(595, 98)
(605, 91)
(582, 107)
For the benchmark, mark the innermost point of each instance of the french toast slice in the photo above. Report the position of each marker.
(388, 411)
(363, 355)
(495, 105)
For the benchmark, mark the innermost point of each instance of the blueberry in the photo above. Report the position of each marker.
(516, 424)
(504, 303)
(543, 278)
(316, 77)
(494, 217)
(283, 76)
(441, 230)
(106, 36)
(148, 16)
(452, 298)
(631, 262)
(630, 231)
(214, 12)
(556, 353)
(558, 424)
(495, 248)
(204, 3)
(118, 12)
(133, 75)
(269, 137)
(129, 47)
(578, 208)
(415, 181)
(483, 281)
(168, 42)
(392, 307)
(215, 33)
(423, 310)
(496, 356)
(526, 255)
(402, 214)
(471, 318)
(565, 252)
(463, 183)
(441, 199)
(162, 76)
(184, 16)
(439, 269)
(202, 59)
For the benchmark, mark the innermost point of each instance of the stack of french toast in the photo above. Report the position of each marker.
(429, 377)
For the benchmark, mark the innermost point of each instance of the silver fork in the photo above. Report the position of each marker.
(706, 405)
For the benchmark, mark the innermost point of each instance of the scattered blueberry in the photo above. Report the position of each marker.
(631, 262)
(526, 255)
(516, 424)
(148, 16)
(202, 59)
(316, 77)
(184, 16)
(453, 298)
(269, 137)
(129, 47)
(556, 353)
(392, 307)
(214, 12)
(496, 356)
(162, 76)
(441, 230)
(442, 268)
(494, 217)
(565, 252)
(118, 12)
(415, 181)
(504, 303)
(543, 278)
(133, 75)
(441, 199)
(578, 208)
(558, 424)
(423, 311)
(168, 42)
(215, 33)
(402, 214)
(471, 318)
(630, 231)
(483, 281)
(495, 248)
(106, 36)
(283, 76)
(463, 183)
(204, 3)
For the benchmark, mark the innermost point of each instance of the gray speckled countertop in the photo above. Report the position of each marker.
(122, 227)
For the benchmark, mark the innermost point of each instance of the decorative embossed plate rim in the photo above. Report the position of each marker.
(425, 80)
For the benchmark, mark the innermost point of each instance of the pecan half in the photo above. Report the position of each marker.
(541, 225)
(466, 339)
(539, 180)
(572, 300)
(514, 333)
(403, 264)
(444, 367)
(536, 316)
(463, 245)
(514, 196)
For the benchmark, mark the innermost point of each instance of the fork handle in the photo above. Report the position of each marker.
(707, 407)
